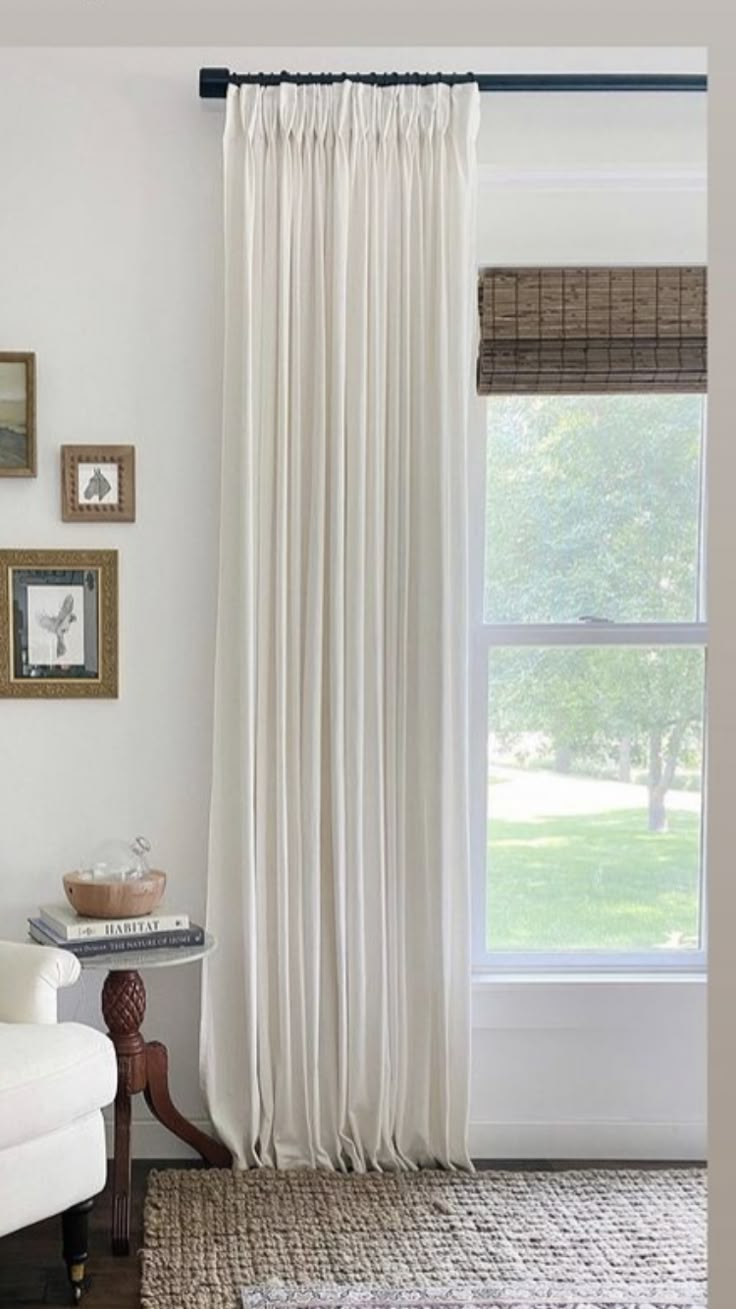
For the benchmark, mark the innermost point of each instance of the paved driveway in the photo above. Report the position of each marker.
(522, 794)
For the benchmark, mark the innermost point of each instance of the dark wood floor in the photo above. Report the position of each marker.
(32, 1274)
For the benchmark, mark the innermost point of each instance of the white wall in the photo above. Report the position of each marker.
(110, 271)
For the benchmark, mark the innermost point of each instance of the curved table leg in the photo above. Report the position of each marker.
(121, 1174)
(159, 1101)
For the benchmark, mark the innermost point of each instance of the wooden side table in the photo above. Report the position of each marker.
(143, 1067)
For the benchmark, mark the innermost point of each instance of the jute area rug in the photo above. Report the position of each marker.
(430, 1240)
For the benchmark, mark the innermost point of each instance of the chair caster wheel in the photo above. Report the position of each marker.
(78, 1284)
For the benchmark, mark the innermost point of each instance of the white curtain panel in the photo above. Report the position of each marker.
(335, 1026)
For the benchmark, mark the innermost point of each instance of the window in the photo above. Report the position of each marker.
(589, 653)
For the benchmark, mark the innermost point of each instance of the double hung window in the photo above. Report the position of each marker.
(589, 655)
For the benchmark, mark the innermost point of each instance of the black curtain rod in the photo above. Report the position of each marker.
(213, 82)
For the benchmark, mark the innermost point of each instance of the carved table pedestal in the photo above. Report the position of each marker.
(143, 1068)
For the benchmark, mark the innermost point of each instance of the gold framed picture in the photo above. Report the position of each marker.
(98, 483)
(17, 414)
(59, 623)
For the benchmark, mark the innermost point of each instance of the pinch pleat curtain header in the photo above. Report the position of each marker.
(568, 330)
(351, 112)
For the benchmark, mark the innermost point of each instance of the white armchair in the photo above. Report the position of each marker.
(55, 1079)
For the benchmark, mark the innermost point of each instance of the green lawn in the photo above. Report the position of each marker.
(594, 881)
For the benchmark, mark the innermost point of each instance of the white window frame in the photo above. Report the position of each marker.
(486, 636)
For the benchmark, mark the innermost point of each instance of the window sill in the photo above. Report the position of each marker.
(482, 980)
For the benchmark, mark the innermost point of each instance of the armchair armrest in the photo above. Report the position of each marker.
(30, 976)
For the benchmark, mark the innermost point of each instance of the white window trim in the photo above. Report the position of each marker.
(492, 635)
(486, 636)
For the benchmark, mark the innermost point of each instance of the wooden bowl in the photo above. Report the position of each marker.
(99, 899)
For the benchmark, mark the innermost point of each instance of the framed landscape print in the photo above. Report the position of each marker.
(17, 415)
(59, 623)
(97, 483)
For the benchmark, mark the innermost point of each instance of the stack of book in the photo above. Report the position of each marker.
(59, 925)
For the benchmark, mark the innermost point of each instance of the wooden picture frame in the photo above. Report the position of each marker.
(98, 483)
(59, 623)
(17, 414)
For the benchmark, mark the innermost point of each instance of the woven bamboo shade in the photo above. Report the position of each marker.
(592, 329)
